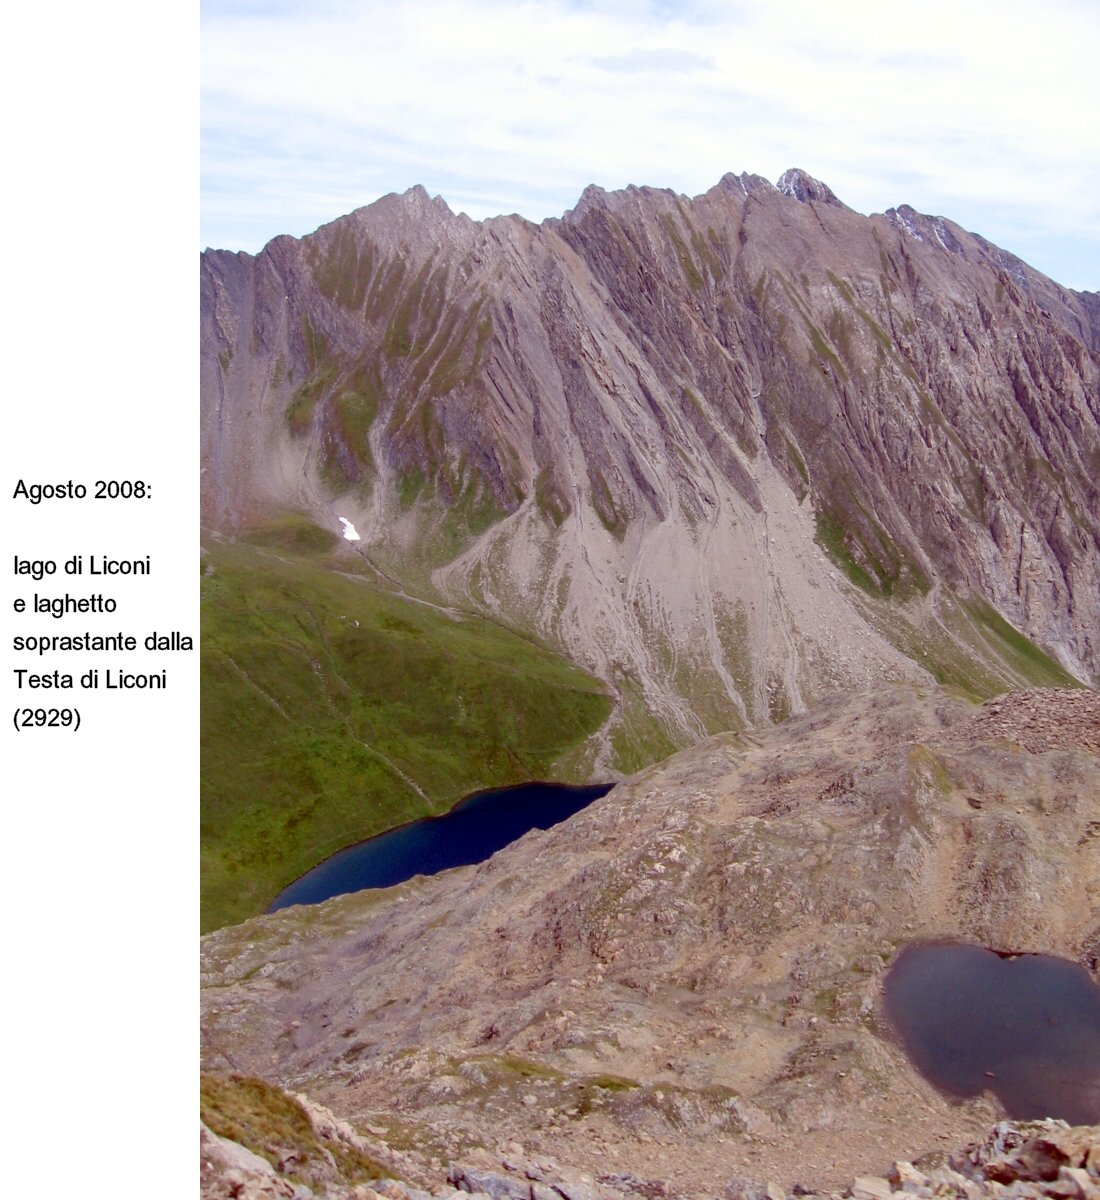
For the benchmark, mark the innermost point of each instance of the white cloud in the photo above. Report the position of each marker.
(655, 61)
(515, 107)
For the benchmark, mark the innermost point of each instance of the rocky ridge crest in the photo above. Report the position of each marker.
(730, 452)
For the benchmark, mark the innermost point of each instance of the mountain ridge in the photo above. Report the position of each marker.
(667, 436)
(766, 468)
(794, 182)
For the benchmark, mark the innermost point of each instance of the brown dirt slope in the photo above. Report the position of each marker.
(682, 982)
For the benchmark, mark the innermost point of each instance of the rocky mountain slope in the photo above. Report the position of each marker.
(729, 453)
(679, 988)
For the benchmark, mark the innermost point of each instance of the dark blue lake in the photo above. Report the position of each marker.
(1025, 1027)
(474, 829)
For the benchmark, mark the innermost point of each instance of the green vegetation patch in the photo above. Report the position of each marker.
(455, 505)
(474, 508)
(294, 532)
(865, 552)
(265, 1120)
(613, 518)
(398, 339)
(823, 350)
(347, 455)
(409, 486)
(832, 537)
(687, 262)
(969, 647)
(880, 334)
(949, 661)
(343, 269)
(315, 343)
(509, 1066)
(333, 710)
(827, 1003)
(694, 678)
(550, 497)
(614, 1083)
(733, 630)
(798, 462)
(385, 287)
(303, 404)
(931, 770)
(455, 355)
(1022, 655)
(318, 383)
(639, 738)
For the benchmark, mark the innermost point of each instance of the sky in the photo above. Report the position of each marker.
(983, 111)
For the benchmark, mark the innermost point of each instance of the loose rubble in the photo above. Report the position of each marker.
(1033, 1160)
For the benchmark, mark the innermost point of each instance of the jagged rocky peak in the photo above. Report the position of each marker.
(595, 198)
(745, 184)
(805, 188)
(417, 197)
(414, 200)
(714, 448)
(414, 214)
(592, 197)
(939, 231)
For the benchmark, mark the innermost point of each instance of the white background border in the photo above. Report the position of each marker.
(100, 827)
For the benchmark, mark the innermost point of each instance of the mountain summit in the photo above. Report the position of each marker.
(730, 453)
(766, 468)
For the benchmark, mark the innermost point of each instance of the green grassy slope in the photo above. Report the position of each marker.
(969, 646)
(265, 1120)
(332, 710)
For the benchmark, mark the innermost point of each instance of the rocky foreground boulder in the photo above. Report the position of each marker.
(683, 982)
(1029, 1161)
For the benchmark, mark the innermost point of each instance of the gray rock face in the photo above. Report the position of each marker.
(805, 188)
(229, 1169)
(488, 1183)
(731, 453)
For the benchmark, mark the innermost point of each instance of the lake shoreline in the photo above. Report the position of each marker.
(544, 799)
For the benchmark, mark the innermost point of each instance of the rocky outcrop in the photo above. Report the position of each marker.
(1024, 1161)
(257, 1142)
(682, 983)
(229, 1169)
(805, 189)
(731, 452)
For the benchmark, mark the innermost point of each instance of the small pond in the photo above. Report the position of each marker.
(1025, 1027)
(471, 832)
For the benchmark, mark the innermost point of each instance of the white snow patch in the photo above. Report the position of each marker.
(350, 532)
(905, 222)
